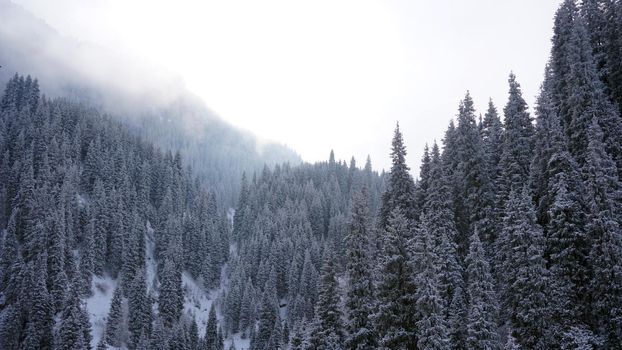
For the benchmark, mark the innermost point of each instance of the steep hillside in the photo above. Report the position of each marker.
(91, 210)
(154, 102)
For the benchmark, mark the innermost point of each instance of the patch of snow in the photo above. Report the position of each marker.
(240, 344)
(80, 200)
(230, 216)
(233, 251)
(197, 303)
(98, 304)
(283, 309)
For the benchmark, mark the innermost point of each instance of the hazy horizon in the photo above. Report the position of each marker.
(327, 75)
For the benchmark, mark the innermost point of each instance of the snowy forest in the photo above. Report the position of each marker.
(119, 235)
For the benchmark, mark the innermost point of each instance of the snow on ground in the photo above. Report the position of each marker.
(240, 344)
(230, 216)
(197, 303)
(81, 201)
(98, 305)
(283, 309)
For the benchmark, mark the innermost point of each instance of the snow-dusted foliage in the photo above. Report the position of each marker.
(509, 239)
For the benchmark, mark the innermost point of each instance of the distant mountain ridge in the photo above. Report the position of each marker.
(155, 103)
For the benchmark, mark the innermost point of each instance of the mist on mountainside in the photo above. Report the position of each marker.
(152, 100)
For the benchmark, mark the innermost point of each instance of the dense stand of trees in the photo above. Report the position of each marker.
(79, 196)
(217, 152)
(510, 238)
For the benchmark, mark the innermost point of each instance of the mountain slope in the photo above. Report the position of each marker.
(85, 200)
(153, 102)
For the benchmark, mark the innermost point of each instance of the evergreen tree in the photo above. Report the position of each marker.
(524, 283)
(308, 289)
(424, 179)
(159, 336)
(73, 326)
(548, 128)
(193, 335)
(240, 220)
(87, 260)
(605, 215)
(517, 141)
(139, 306)
(296, 341)
(211, 330)
(170, 299)
(492, 138)
(114, 322)
(11, 262)
(457, 317)
(327, 331)
(39, 328)
(57, 277)
(133, 251)
(567, 242)
(394, 319)
(400, 185)
(431, 323)
(247, 309)
(143, 342)
(482, 303)
(439, 222)
(359, 296)
(473, 196)
(268, 314)
(276, 336)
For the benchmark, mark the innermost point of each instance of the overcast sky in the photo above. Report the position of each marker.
(325, 74)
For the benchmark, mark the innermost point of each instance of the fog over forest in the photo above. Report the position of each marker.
(135, 217)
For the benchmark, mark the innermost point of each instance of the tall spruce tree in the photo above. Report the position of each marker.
(327, 330)
(75, 330)
(517, 141)
(170, 299)
(268, 314)
(432, 332)
(474, 198)
(524, 277)
(567, 244)
(359, 295)
(114, 322)
(400, 192)
(492, 138)
(439, 222)
(139, 308)
(481, 299)
(40, 317)
(211, 330)
(395, 317)
(605, 256)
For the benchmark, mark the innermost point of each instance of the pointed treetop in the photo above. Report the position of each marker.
(491, 112)
(352, 163)
(368, 164)
(515, 111)
(398, 149)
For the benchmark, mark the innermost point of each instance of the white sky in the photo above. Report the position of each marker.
(325, 74)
